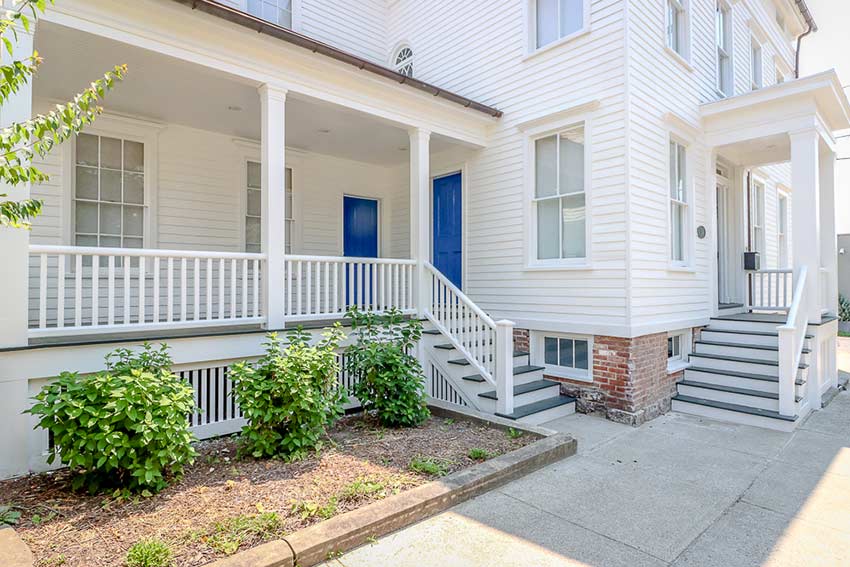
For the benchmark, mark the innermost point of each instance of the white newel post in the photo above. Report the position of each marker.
(805, 216)
(14, 289)
(829, 235)
(273, 230)
(504, 367)
(420, 185)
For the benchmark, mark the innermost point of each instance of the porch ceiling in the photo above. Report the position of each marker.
(753, 128)
(169, 90)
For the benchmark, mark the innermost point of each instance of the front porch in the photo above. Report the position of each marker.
(162, 220)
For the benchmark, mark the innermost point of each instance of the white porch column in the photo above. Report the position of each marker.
(420, 191)
(829, 236)
(14, 242)
(805, 215)
(273, 230)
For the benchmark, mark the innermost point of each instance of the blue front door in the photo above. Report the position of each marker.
(360, 240)
(447, 229)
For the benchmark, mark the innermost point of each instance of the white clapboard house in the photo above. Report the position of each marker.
(566, 191)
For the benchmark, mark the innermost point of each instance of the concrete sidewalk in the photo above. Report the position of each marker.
(680, 491)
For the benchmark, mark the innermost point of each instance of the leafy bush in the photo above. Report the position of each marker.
(389, 381)
(123, 428)
(843, 308)
(289, 396)
(149, 553)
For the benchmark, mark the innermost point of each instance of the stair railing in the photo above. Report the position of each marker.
(486, 344)
(792, 337)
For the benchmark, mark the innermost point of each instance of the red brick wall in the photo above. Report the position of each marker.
(521, 341)
(630, 379)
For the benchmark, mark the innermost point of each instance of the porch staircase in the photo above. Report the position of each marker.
(734, 373)
(536, 400)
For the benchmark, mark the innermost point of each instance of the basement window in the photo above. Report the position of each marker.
(678, 349)
(564, 355)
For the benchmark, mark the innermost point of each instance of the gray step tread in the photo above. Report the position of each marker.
(756, 333)
(522, 388)
(537, 407)
(464, 362)
(732, 390)
(740, 345)
(767, 318)
(524, 369)
(738, 374)
(431, 332)
(448, 346)
(734, 407)
(740, 359)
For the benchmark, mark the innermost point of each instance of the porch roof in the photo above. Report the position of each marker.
(262, 26)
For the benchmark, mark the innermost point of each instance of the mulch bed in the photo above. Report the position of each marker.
(224, 504)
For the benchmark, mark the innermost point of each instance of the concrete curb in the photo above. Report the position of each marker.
(342, 533)
(13, 551)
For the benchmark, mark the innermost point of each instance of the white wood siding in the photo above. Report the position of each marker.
(477, 48)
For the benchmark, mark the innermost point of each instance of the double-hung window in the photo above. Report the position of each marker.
(677, 26)
(555, 19)
(678, 202)
(723, 39)
(782, 230)
(109, 192)
(254, 209)
(559, 195)
(755, 65)
(275, 11)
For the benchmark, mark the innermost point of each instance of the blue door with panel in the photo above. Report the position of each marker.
(359, 240)
(447, 227)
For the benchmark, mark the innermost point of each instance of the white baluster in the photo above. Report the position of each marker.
(184, 284)
(336, 288)
(196, 296)
(78, 291)
(327, 288)
(233, 288)
(142, 294)
(60, 293)
(256, 282)
(95, 291)
(309, 288)
(209, 289)
(156, 285)
(42, 292)
(298, 289)
(126, 289)
(244, 288)
(221, 288)
(170, 291)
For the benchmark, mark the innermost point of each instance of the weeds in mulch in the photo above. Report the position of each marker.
(228, 536)
(477, 454)
(430, 466)
(150, 553)
(513, 433)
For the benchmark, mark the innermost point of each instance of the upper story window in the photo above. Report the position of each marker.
(109, 192)
(677, 26)
(275, 11)
(723, 39)
(254, 209)
(403, 61)
(755, 65)
(678, 202)
(556, 19)
(559, 195)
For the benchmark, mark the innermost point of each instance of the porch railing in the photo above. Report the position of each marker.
(85, 289)
(792, 337)
(323, 287)
(771, 290)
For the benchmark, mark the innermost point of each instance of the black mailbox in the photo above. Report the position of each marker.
(752, 262)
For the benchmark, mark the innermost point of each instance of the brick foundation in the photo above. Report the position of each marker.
(630, 380)
(521, 340)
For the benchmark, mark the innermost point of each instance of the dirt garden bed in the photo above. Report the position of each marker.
(224, 504)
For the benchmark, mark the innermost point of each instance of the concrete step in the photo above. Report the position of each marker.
(729, 394)
(733, 413)
(543, 411)
(736, 379)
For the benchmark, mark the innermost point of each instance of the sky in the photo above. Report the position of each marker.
(829, 48)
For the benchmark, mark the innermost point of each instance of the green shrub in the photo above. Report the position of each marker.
(478, 454)
(289, 396)
(124, 428)
(843, 308)
(149, 553)
(389, 380)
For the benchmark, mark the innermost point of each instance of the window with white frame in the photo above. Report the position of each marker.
(254, 209)
(564, 355)
(677, 26)
(755, 65)
(782, 230)
(678, 349)
(757, 217)
(403, 61)
(555, 19)
(723, 39)
(559, 195)
(109, 192)
(275, 11)
(678, 202)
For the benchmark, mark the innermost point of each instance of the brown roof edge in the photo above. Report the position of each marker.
(262, 26)
(807, 14)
